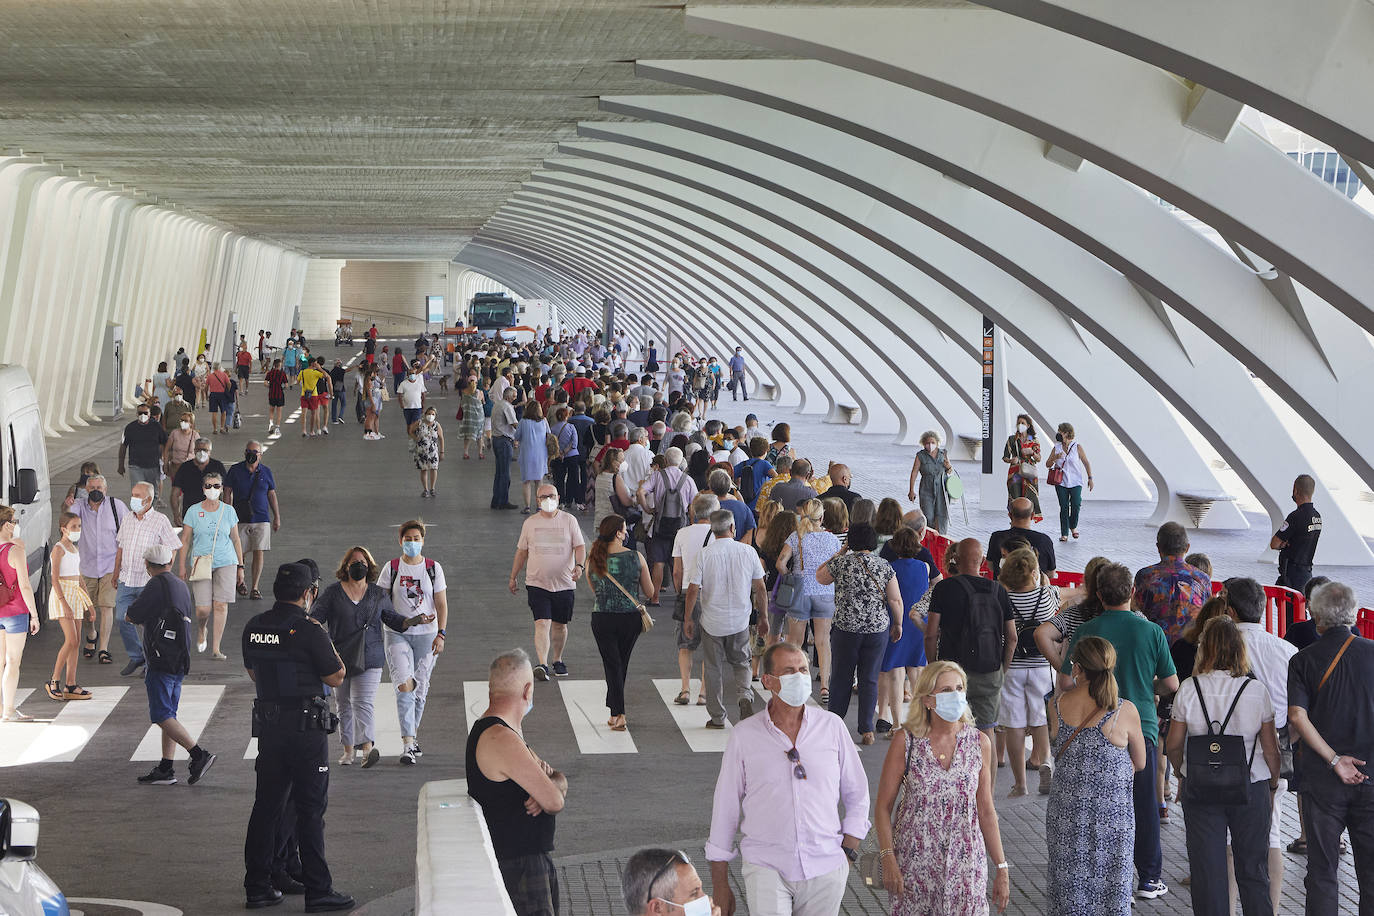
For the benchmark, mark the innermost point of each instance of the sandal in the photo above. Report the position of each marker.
(75, 692)
(255, 595)
(53, 689)
(105, 656)
(682, 698)
(242, 589)
(89, 651)
(701, 699)
(1298, 847)
(825, 695)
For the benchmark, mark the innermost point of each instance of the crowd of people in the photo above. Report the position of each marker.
(1134, 689)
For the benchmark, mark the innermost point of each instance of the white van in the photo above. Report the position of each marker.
(24, 483)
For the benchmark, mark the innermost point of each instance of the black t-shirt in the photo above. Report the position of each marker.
(152, 609)
(190, 481)
(145, 441)
(950, 601)
(1038, 540)
(288, 652)
(337, 375)
(1343, 710)
(889, 554)
(1300, 530)
(370, 346)
(843, 494)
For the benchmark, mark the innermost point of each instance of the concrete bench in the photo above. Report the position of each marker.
(974, 444)
(768, 391)
(455, 868)
(850, 412)
(1198, 504)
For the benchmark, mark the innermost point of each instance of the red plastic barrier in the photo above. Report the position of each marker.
(1282, 606)
(1216, 587)
(937, 544)
(1065, 579)
(1364, 622)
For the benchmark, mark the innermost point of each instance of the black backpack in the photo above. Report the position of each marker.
(748, 489)
(1025, 630)
(167, 642)
(980, 644)
(1217, 772)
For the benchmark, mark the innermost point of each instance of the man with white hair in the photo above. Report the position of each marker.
(635, 467)
(553, 553)
(665, 495)
(142, 528)
(1331, 710)
(726, 577)
(518, 792)
(687, 547)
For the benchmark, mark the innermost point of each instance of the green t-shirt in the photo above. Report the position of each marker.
(1142, 654)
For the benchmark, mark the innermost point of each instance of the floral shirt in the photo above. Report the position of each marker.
(1170, 593)
(861, 592)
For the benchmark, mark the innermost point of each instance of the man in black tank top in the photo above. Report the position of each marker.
(518, 792)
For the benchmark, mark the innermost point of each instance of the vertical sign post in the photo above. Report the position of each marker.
(607, 321)
(989, 396)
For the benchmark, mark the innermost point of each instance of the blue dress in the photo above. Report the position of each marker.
(534, 451)
(913, 578)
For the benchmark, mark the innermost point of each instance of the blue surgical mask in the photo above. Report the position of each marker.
(137, 504)
(412, 548)
(529, 707)
(950, 706)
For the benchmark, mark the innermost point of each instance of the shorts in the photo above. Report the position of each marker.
(15, 624)
(255, 536)
(219, 402)
(658, 550)
(532, 883)
(102, 590)
(820, 606)
(77, 599)
(547, 605)
(1023, 697)
(276, 402)
(218, 589)
(682, 641)
(984, 696)
(243, 373)
(164, 695)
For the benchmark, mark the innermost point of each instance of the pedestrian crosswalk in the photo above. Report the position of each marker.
(62, 735)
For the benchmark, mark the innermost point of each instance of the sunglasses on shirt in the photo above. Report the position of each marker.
(798, 770)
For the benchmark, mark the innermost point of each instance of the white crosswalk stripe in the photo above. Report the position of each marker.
(386, 725)
(198, 702)
(691, 720)
(62, 739)
(586, 705)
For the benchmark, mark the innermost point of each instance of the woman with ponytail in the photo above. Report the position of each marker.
(1090, 821)
(615, 574)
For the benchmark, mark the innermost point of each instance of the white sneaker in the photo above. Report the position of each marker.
(408, 756)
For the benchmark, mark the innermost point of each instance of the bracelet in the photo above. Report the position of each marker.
(443, 634)
(1002, 865)
(884, 853)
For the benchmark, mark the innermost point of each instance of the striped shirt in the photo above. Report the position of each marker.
(1030, 609)
(135, 536)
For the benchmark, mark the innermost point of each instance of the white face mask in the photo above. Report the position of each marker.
(698, 907)
(950, 705)
(210, 494)
(137, 504)
(185, 424)
(932, 447)
(143, 418)
(549, 503)
(793, 689)
(73, 536)
(202, 456)
(1020, 427)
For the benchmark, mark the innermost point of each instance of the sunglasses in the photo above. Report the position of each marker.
(677, 858)
(798, 770)
(213, 486)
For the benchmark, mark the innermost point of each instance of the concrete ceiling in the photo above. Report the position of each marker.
(380, 129)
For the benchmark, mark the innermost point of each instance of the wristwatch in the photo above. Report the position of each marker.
(1335, 760)
(851, 854)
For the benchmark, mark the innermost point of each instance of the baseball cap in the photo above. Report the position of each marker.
(158, 555)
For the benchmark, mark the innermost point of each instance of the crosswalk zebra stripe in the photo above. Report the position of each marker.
(691, 720)
(198, 702)
(586, 705)
(386, 726)
(61, 740)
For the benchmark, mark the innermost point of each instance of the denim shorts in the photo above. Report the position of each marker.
(164, 695)
(819, 606)
(18, 623)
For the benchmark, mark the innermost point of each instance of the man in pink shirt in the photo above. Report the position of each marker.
(552, 545)
(782, 779)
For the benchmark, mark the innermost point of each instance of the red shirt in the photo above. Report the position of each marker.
(398, 362)
(578, 384)
(276, 383)
(244, 358)
(621, 444)
(541, 394)
(372, 332)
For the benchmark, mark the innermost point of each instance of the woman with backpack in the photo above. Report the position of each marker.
(810, 546)
(1029, 679)
(1226, 784)
(353, 609)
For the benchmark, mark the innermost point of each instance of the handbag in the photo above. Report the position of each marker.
(202, 567)
(1217, 771)
(792, 584)
(352, 651)
(870, 862)
(646, 622)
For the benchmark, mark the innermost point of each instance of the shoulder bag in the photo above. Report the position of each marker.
(870, 857)
(203, 566)
(352, 651)
(1217, 771)
(792, 584)
(646, 622)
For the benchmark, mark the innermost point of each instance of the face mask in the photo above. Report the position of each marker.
(529, 707)
(250, 455)
(211, 494)
(143, 418)
(1020, 427)
(793, 689)
(931, 447)
(185, 425)
(97, 496)
(431, 419)
(549, 504)
(137, 504)
(73, 536)
(412, 548)
(698, 907)
(950, 706)
(202, 456)
(357, 570)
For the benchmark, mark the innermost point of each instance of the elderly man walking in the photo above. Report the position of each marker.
(252, 490)
(503, 426)
(725, 580)
(1331, 709)
(100, 517)
(783, 779)
(553, 553)
(142, 528)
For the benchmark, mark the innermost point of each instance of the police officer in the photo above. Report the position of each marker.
(1296, 540)
(290, 659)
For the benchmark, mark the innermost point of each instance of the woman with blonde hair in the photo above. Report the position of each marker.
(933, 468)
(1090, 819)
(473, 422)
(835, 518)
(935, 847)
(810, 546)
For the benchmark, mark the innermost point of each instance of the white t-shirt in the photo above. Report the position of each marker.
(411, 393)
(414, 594)
(1218, 690)
(688, 544)
(725, 573)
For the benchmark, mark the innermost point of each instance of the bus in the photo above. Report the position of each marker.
(520, 322)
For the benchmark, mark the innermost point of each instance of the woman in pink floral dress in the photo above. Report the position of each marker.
(936, 849)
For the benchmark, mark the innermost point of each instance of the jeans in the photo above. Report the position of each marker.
(1328, 806)
(727, 658)
(337, 406)
(615, 636)
(356, 696)
(1206, 827)
(1149, 859)
(502, 449)
(848, 652)
(410, 655)
(1070, 501)
(128, 632)
(138, 475)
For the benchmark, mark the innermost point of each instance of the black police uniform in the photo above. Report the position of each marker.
(289, 653)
